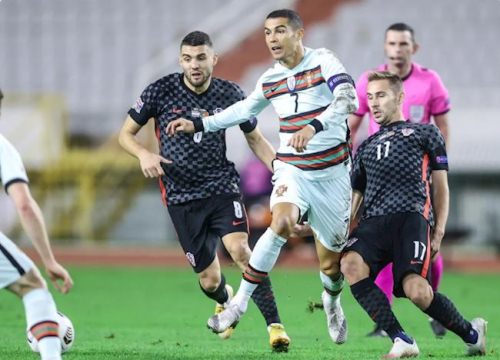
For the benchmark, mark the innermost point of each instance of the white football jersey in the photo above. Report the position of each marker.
(317, 88)
(11, 165)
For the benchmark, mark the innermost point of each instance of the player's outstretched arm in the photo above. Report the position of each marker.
(34, 225)
(150, 162)
(440, 203)
(261, 147)
(442, 124)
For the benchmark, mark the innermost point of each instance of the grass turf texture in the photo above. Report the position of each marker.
(161, 314)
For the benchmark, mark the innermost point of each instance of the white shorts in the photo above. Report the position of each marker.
(13, 262)
(326, 194)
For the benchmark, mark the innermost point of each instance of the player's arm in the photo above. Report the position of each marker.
(34, 225)
(150, 162)
(442, 123)
(354, 123)
(233, 115)
(261, 147)
(357, 200)
(440, 203)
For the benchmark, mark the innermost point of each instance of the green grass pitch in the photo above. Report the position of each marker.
(139, 313)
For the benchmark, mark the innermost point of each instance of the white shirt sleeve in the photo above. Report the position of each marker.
(11, 165)
(237, 113)
(345, 100)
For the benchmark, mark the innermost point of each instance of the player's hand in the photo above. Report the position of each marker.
(59, 276)
(436, 238)
(302, 230)
(151, 164)
(180, 125)
(301, 138)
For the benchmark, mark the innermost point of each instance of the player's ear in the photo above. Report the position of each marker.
(401, 97)
(216, 59)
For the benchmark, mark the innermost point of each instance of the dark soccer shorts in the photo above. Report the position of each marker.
(201, 223)
(402, 238)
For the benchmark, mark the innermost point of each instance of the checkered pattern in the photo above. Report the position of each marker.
(392, 169)
(200, 168)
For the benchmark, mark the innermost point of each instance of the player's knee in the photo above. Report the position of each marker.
(241, 255)
(209, 281)
(30, 281)
(283, 225)
(418, 291)
(351, 266)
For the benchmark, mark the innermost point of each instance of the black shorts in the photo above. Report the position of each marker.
(402, 238)
(201, 223)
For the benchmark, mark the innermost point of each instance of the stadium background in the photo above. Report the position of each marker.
(71, 69)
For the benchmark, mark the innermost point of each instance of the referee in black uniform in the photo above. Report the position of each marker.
(391, 173)
(199, 185)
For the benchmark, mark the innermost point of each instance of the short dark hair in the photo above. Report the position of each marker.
(394, 80)
(196, 38)
(293, 17)
(402, 27)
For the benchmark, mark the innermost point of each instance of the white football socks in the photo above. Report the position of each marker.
(264, 256)
(331, 285)
(39, 307)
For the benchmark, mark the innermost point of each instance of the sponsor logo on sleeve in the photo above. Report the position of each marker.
(139, 104)
(442, 159)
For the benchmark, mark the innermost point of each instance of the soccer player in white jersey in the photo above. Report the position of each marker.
(17, 272)
(313, 96)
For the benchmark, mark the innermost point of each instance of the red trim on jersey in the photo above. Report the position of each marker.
(163, 189)
(427, 206)
(425, 268)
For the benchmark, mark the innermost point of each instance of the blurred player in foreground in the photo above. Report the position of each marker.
(313, 95)
(199, 185)
(391, 173)
(18, 273)
(426, 98)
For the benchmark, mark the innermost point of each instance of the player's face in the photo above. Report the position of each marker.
(384, 104)
(198, 63)
(283, 41)
(399, 47)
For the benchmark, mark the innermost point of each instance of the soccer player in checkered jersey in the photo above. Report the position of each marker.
(18, 273)
(391, 173)
(312, 95)
(426, 99)
(199, 185)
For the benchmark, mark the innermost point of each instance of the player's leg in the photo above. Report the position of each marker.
(367, 251)
(262, 260)
(330, 207)
(19, 275)
(411, 277)
(333, 283)
(191, 222)
(263, 296)
(436, 274)
(385, 282)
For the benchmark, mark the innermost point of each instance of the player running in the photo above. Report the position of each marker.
(199, 185)
(312, 95)
(391, 173)
(426, 99)
(18, 274)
